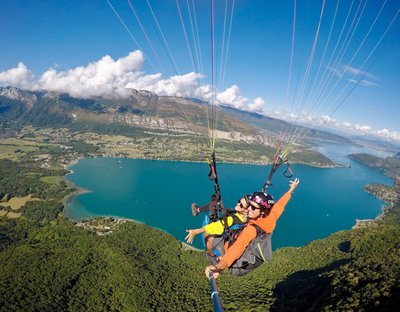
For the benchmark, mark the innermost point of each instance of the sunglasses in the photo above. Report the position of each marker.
(254, 207)
(241, 205)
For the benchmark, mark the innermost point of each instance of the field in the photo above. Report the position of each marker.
(20, 142)
(17, 202)
(51, 179)
(13, 215)
(15, 148)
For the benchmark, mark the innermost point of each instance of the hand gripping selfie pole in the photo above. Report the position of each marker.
(215, 293)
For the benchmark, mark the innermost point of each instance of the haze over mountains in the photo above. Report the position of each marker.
(143, 110)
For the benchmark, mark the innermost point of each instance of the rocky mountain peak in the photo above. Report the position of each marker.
(142, 93)
(13, 93)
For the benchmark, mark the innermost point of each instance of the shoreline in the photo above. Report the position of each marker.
(79, 191)
(67, 199)
(386, 207)
(362, 222)
(75, 161)
(118, 220)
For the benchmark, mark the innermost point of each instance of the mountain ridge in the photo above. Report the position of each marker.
(140, 109)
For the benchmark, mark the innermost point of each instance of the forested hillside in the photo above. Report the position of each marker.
(136, 268)
(390, 165)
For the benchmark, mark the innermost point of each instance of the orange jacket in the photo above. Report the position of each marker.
(249, 232)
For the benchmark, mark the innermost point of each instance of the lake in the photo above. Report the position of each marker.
(160, 193)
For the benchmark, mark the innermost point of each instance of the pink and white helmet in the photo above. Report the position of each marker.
(266, 201)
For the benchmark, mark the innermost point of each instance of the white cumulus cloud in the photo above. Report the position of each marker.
(346, 124)
(257, 105)
(180, 85)
(19, 77)
(105, 77)
(231, 96)
(386, 133)
(362, 128)
(329, 122)
(113, 78)
(327, 119)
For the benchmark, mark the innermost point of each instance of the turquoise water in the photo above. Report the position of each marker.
(338, 152)
(159, 193)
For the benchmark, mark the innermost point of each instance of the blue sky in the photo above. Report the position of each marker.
(357, 77)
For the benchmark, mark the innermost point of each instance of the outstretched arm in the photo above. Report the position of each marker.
(213, 228)
(192, 233)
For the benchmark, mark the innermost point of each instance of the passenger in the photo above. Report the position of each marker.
(216, 229)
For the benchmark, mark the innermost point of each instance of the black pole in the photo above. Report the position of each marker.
(215, 293)
(215, 176)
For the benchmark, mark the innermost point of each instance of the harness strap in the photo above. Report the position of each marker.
(213, 176)
(258, 229)
(285, 174)
(232, 234)
(278, 160)
(235, 218)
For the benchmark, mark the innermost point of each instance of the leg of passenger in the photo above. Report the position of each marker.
(209, 239)
(205, 208)
(209, 207)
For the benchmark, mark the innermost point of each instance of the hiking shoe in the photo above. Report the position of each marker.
(195, 210)
(213, 259)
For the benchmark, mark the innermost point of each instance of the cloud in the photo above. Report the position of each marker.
(362, 128)
(332, 123)
(386, 133)
(105, 77)
(368, 83)
(347, 125)
(364, 82)
(357, 75)
(357, 72)
(113, 78)
(327, 119)
(303, 118)
(181, 85)
(17, 77)
(353, 127)
(365, 129)
(232, 97)
(257, 105)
